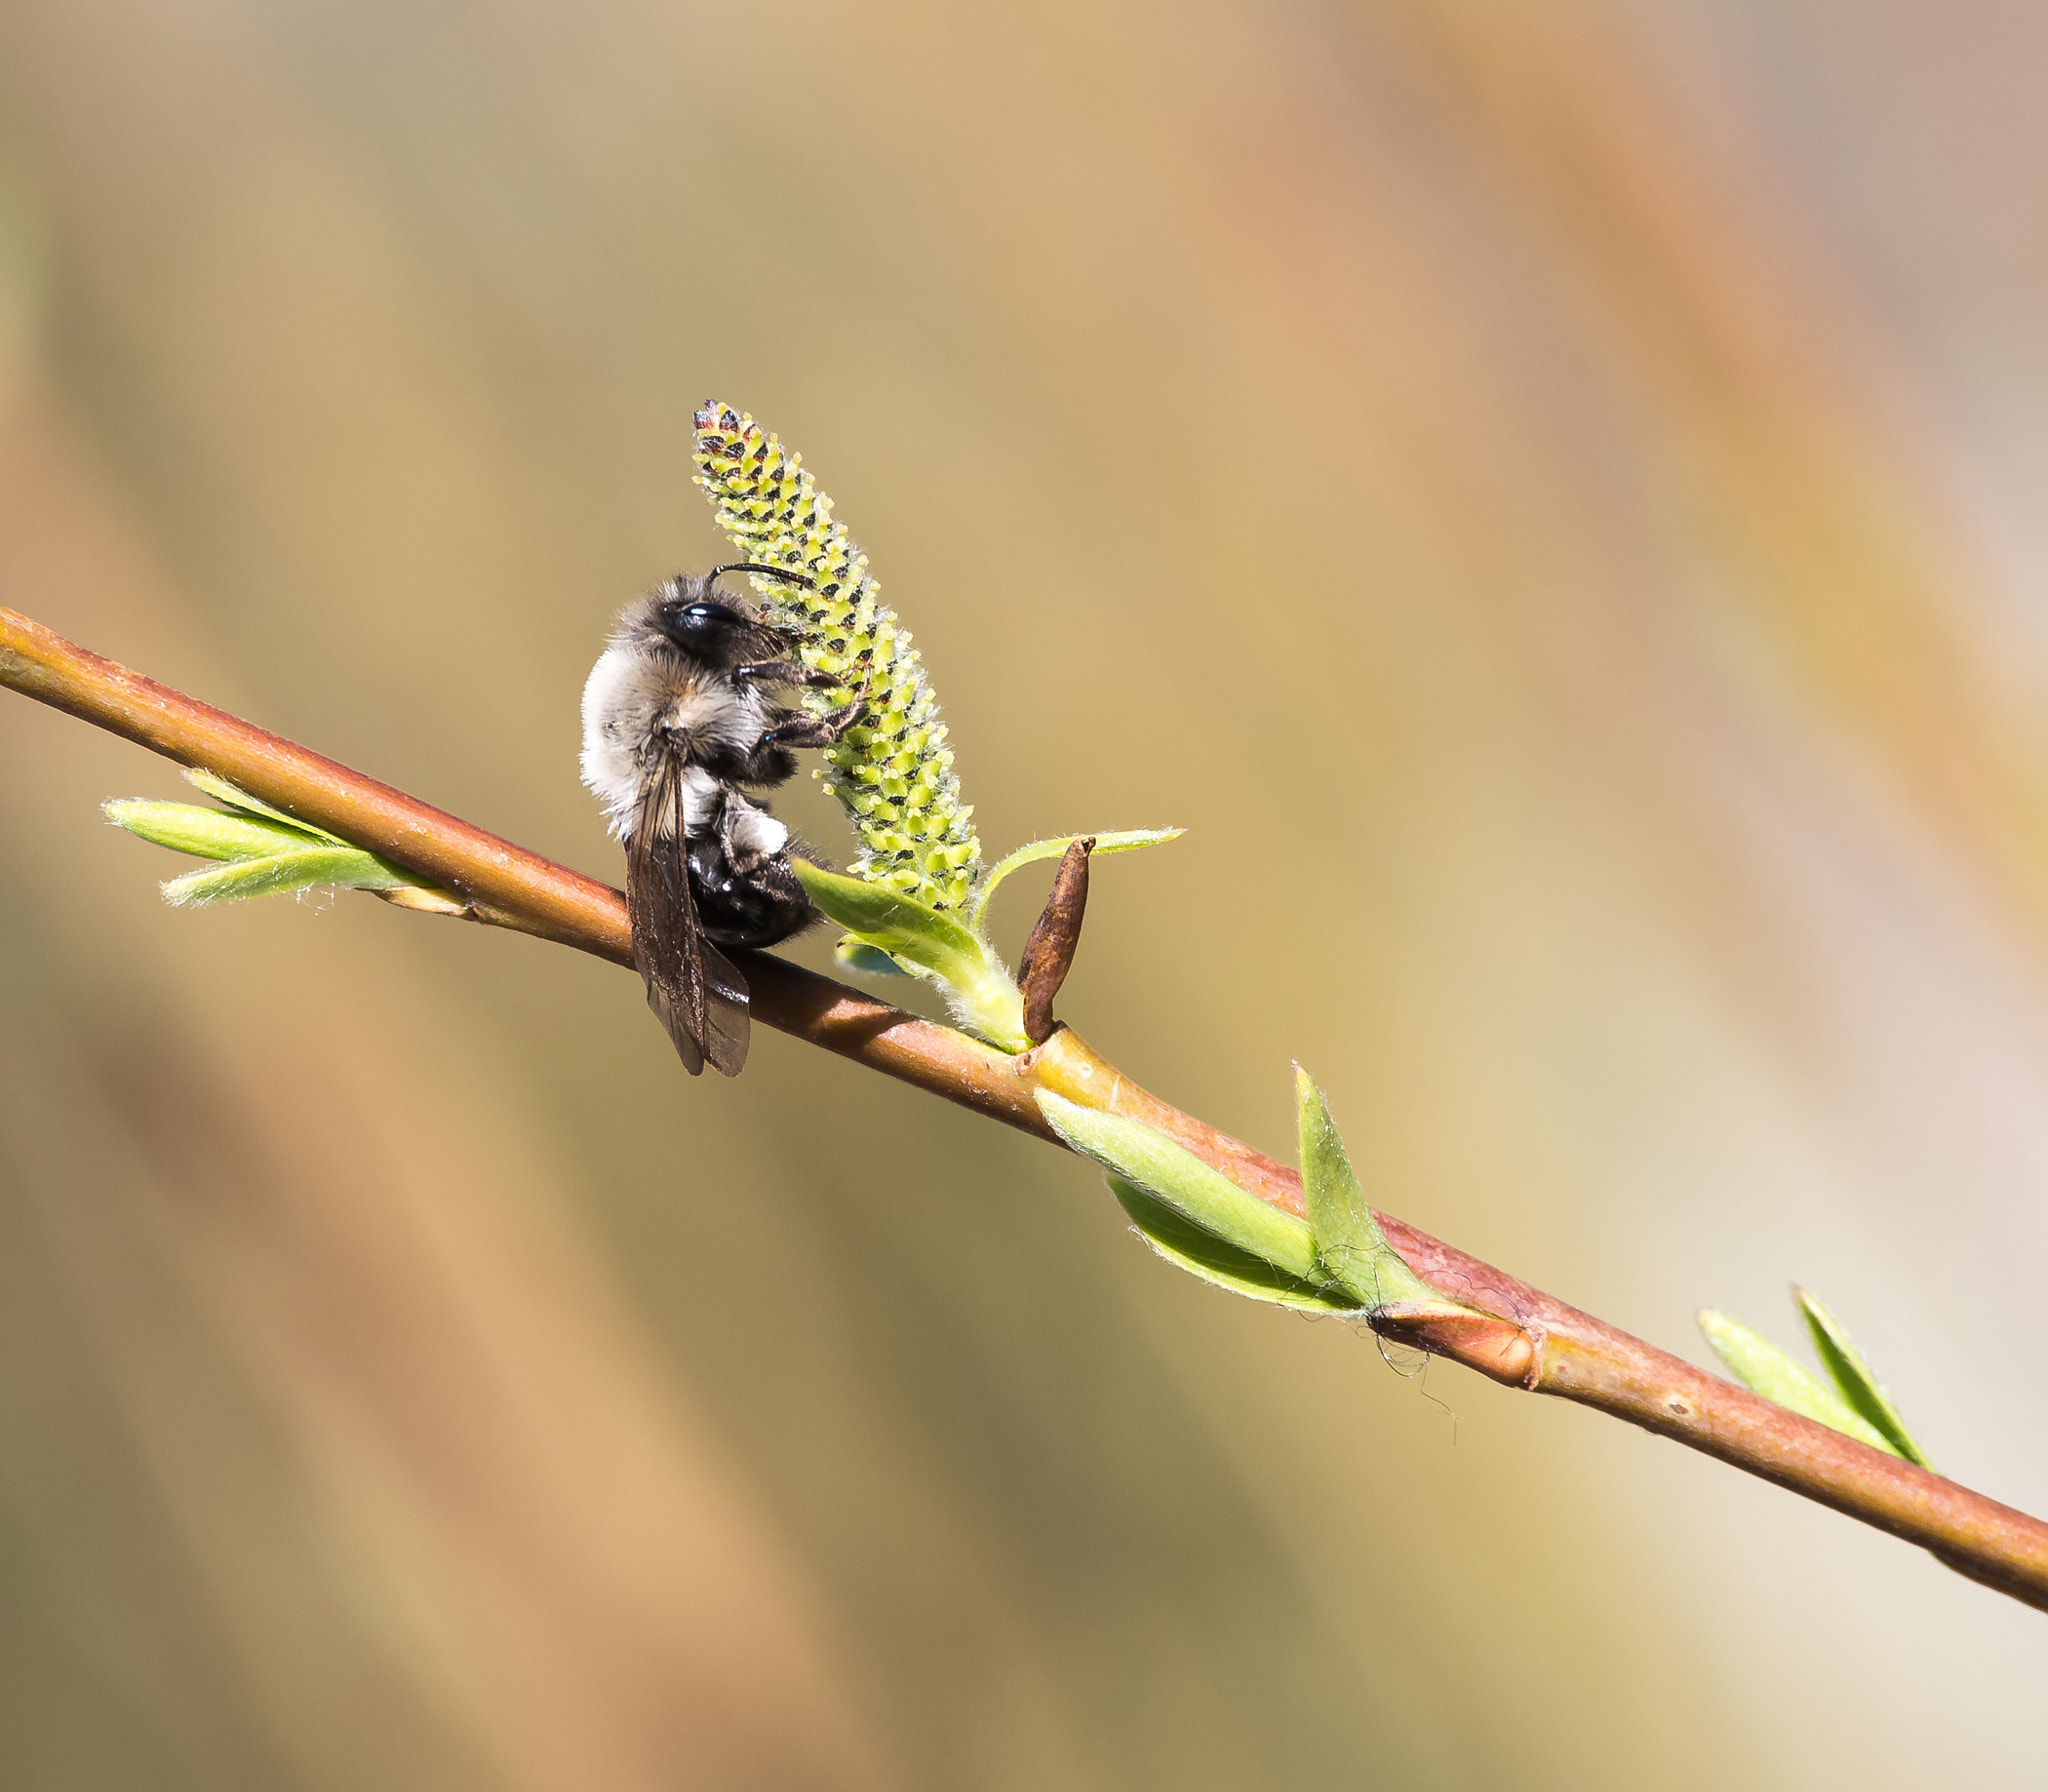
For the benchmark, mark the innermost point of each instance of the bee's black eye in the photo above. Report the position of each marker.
(696, 625)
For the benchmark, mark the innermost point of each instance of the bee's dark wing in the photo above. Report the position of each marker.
(696, 992)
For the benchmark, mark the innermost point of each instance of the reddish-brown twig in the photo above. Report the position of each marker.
(1508, 1331)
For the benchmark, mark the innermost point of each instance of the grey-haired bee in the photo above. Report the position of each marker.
(674, 722)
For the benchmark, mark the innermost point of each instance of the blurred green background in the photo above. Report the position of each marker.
(1551, 498)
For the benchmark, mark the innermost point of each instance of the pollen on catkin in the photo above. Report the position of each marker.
(893, 773)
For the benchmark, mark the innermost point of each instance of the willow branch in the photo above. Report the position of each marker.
(1508, 1331)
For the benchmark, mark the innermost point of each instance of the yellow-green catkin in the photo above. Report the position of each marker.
(893, 773)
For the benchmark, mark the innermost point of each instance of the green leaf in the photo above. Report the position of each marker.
(1852, 1375)
(1171, 1174)
(929, 939)
(1201, 1253)
(1349, 1244)
(309, 867)
(1765, 1369)
(235, 797)
(205, 833)
(1127, 841)
(266, 852)
(894, 924)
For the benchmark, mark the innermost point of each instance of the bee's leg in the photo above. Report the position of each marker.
(785, 672)
(745, 891)
(815, 731)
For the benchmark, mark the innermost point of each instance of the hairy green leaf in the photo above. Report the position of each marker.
(1201, 1253)
(1765, 1369)
(309, 867)
(1348, 1241)
(1176, 1176)
(235, 797)
(266, 852)
(1129, 840)
(931, 940)
(205, 833)
(894, 924)
(1852, 1375)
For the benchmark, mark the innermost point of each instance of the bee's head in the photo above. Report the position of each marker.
(701, 622)
(708, 623)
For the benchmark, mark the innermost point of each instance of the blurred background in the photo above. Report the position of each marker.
(1554, 500)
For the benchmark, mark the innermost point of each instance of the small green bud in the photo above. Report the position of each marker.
(264, 852)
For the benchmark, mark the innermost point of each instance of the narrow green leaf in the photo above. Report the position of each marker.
(205, 833)
(266, 852)
(235, 797)
(1765, 1369)
(1852, 1375)
(1201, 1253)
(928, 938)
(1348, 1241)
(894, 924)
(1168, 1172)
(344, 867)
(1129, 840)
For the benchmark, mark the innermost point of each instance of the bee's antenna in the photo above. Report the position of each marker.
(767, 572)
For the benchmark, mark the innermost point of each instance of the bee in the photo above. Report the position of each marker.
(675, 720)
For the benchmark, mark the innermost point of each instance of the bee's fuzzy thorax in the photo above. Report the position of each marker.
(642, 685)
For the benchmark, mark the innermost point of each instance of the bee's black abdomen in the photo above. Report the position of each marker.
(761, 906)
